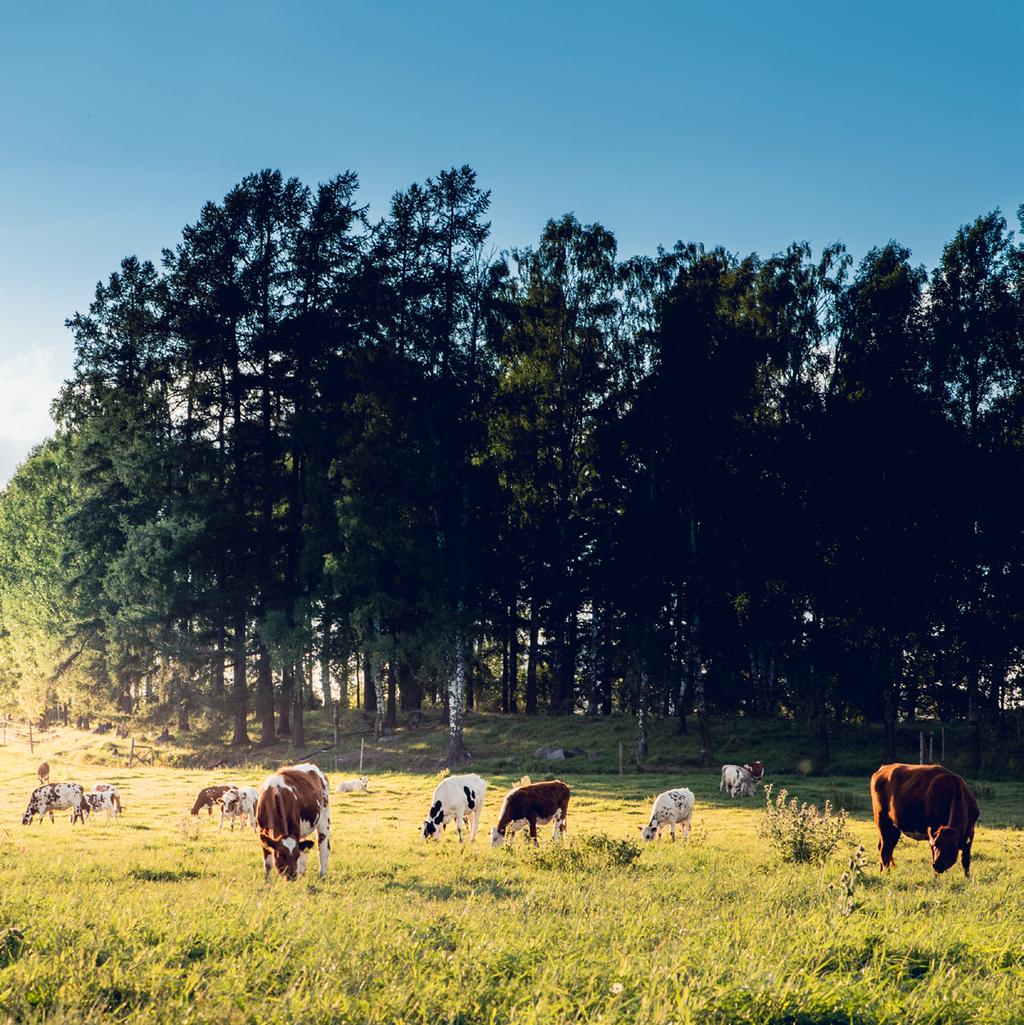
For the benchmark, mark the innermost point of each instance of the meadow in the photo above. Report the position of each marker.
(159, 917)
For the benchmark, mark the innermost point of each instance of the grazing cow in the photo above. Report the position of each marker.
(351, 785)
(293, 803)
(756, 770)
(736, 779)
(209, 796)
(669, 808)
(924, 802)
(239, 803)
(456, 798)
(530, 805)
(44, 773)
(104, 797)
(53, 797)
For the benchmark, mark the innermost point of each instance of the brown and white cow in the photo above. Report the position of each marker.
(756, 770)
(737, 781)
(51, 797)
(104, 797)
(530, 805)
(43, 772)
(239, 803)
(924, 802)
(293, 802)
(210, 796)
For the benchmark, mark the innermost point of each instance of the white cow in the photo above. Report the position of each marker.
(674, 807)
(104, 797)
(737, 780)
(239, 803)
(455, 799)
(51, 797)
(348, 786)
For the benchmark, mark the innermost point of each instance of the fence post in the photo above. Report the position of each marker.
(620, 757)
(31, 744)
(931, 745)
(920, 748)
(362, 740)
(335, 729)
(131, 754)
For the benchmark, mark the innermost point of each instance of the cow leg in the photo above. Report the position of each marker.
(672, 831)
(888, 837)
(220, 825)
(686, 829)
(532, 822)
(474, 823)
(323, 840)
(268, 864)
(965, 854)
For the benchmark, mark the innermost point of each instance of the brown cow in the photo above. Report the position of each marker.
(756, 770)
(924, 802)
(208, 797)
(293, 802)
(532, 804)
(44, 773)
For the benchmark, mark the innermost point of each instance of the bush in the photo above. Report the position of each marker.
(798, 831)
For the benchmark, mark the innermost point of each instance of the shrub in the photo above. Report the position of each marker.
(845, 892)
(588, 853)
(798, 831)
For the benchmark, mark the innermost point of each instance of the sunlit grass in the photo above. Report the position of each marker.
(159, 918)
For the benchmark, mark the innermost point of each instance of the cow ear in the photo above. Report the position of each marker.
(304, 845)
(931, 835)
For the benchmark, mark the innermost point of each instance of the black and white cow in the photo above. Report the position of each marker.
(672, 808)
(51, 797)
(104, 797)
(455, 799)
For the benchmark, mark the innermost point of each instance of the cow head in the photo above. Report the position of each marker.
(433, 824)
(648, 832)
(497, 837)
(30, 811)
(288, 853)
(945, 845)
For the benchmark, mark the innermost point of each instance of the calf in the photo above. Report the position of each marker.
(43, 772)
(104, 797)
(669, 808)
(239, 803)
(351, 785)
(924, 802)
(456, 798)
(756, 770)
(736, 779)
(53, 797)
(532, 804)
(208, 797)
(292, 803)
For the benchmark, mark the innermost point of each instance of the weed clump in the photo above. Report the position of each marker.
(596, 851)
(798, 831)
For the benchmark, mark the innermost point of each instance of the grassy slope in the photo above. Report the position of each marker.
(158, 918)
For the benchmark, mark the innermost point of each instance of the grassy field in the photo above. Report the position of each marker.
(161, 918)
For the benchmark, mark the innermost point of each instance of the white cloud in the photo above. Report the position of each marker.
(29, 381)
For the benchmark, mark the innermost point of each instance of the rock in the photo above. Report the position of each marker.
(550, 754)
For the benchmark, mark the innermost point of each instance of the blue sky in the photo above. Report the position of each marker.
(747, 124)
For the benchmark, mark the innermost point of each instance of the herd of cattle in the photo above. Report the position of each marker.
(923, 802)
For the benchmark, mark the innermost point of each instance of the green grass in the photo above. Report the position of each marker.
(160, 918)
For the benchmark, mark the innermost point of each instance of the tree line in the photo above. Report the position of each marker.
(314, 455)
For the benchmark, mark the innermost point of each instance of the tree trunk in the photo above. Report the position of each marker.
(513, 660)
(239, 690)
(286, 698)
(392, 709)
(217, 677)
(265, 696)
(504, 672)
(457, 753)
(531, 664)
(641, 719)
(325, 661)
(410, 689)
(298, 732)
(973, 717)
(369, 691)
